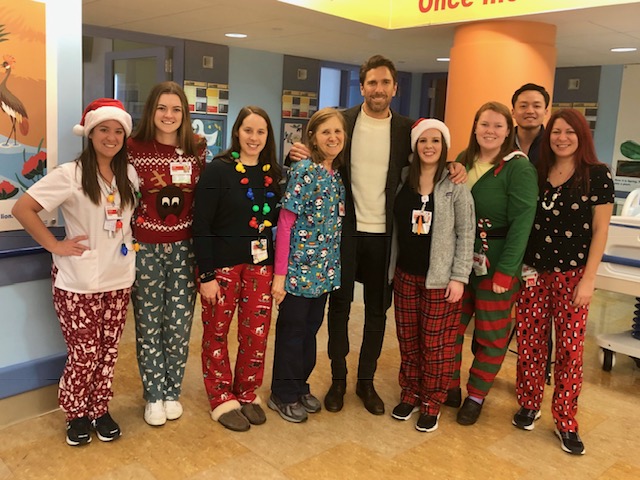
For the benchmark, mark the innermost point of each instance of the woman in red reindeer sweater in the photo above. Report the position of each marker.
(168, 159)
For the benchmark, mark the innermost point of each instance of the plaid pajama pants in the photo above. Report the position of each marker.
(426, 326)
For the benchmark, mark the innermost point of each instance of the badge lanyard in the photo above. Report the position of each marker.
(113, 214)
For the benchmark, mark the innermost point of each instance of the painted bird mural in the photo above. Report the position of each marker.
(11, 105)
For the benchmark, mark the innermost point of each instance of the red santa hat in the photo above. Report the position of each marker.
(423, 124)
(101, 110)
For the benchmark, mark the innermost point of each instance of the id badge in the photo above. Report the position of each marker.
(259, 250)
(529, 275)
(420, 222)
(180, 172)
(111, 216)
(111, 212)
(479, 264)
(110, 225)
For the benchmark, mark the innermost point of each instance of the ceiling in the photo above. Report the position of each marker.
(584, 37)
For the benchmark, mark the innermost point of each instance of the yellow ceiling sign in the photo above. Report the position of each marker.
(392, 14)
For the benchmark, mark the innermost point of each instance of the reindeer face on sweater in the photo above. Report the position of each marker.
(169, 201)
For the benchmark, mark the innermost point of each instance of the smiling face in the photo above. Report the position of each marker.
(429, 146)
(563, 139)
(252, 136)
(168, 116)
(378, 90)
(329, 138)
(529, 110)
(107, 139)
(491, 131)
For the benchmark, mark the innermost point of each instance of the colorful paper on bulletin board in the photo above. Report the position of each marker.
(588, 109)
(207, 98)
(392, 14)
(23, 127)
(297, 104)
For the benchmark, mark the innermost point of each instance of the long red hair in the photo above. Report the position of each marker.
(584, 157)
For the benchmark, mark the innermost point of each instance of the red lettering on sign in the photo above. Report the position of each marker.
(425, 6)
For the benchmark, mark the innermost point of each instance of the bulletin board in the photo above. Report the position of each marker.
(207, 98)
(297, 104)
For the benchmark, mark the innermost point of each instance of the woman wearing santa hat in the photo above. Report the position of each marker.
(431, 255)
(93, 266)
(168, 158)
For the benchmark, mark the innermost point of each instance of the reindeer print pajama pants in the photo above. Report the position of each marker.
(247, 287)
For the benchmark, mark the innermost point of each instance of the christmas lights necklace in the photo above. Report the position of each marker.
(256, 208)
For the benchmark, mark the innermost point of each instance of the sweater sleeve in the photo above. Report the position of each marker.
(286, 221)
(465, 227)
(522, 198)
(206, 205)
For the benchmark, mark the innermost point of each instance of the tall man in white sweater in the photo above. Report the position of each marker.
(377, 150)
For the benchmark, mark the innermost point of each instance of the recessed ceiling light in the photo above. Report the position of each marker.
(624, 49)
(442, 59)
(236, 35)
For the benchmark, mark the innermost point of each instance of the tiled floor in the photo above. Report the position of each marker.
(351, 444)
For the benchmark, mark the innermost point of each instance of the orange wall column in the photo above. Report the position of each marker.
(489, 61)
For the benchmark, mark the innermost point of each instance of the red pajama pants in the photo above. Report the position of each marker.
(539, 307)
(92, 325)
(247, 287)
(426, 326)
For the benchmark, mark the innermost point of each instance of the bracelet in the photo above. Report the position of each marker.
(207, 277)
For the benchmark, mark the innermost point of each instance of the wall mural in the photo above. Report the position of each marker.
(23, 146)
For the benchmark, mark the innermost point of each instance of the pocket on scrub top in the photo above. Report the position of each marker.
(77, 273)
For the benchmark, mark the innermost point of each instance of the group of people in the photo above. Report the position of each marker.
(519, 218)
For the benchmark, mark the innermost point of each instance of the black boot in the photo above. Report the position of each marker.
(334, 399)
(372, 401)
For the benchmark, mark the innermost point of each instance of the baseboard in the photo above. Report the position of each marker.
(28, 405)
(32, 375)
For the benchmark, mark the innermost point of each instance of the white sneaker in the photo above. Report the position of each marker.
(154, 413)
(173, 409)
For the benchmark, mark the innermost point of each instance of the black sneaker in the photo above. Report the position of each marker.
(570, 442)
(403, 411)
(525, 417)
(106, 429)
(454, 398)
(78, 432)
(427, 423)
